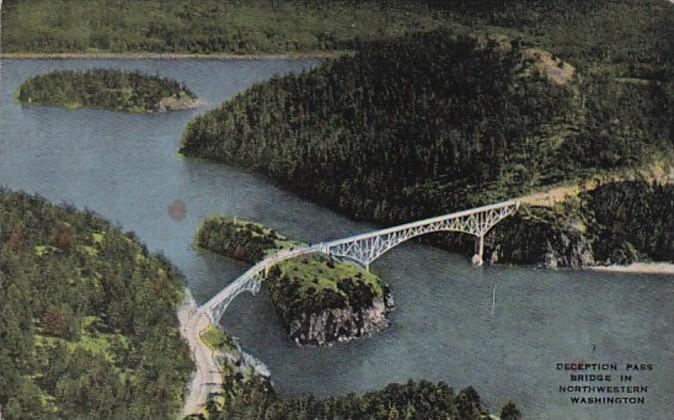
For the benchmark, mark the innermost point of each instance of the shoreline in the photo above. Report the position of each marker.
(639, 267)
(173, 56)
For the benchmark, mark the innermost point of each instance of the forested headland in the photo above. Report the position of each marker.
(320, 299)
(88, 325)
(114, 90)
(436, 122)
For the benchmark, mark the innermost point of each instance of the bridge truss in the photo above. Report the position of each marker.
(367, 247)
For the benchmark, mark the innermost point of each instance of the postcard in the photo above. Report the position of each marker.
(229, 209)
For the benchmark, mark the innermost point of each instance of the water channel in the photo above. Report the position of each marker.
(126, 168)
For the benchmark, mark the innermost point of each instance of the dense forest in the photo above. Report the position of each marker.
(630, 221)
(319, 299)
(616, 223)
(637, 36)
(413, 400)
(436, 122)
(205, 26)
(88, 325)
(240, 239)
(115, 90)
(247, 395)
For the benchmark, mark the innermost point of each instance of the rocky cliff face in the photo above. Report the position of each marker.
(177, 103)
(533, 237)
(551, 247)
(341, 324)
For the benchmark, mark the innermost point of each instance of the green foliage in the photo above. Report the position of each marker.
(240, 239)
(630, 221)
(617, 223)
(204, 26)
(631, 37)
(100, 88)
(432, 123)
(316, 283)
(299, 287)
(216, 339)
(82, 334)
(413, 400)
(621, 37)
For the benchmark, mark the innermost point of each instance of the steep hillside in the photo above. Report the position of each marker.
(435, 122)
(616, 223)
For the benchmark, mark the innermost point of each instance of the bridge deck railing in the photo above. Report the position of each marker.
(423, 222)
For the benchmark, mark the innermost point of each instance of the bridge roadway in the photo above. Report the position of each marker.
(365, 248)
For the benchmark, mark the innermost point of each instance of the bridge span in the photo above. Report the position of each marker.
(365, 248)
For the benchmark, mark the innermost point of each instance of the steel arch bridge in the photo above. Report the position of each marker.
(367, 247)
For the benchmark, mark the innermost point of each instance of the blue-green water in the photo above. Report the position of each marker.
(126, 168)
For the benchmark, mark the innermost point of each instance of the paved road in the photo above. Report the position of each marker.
(207, 376)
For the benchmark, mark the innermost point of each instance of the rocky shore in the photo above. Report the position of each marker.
(355, 310)
(615, 225)
(537, 238)
(177, 103)
(341, 325)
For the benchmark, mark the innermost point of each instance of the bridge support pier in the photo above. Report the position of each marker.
(479, 245)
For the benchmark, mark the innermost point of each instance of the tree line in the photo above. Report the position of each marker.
(634, 38)
(255, 399)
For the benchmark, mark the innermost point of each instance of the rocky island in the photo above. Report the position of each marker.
(114, 90)
(320, 299)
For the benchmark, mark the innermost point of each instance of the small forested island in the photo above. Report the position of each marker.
(88, 325)
(320, 299)
(114, 90)
(246, 394)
